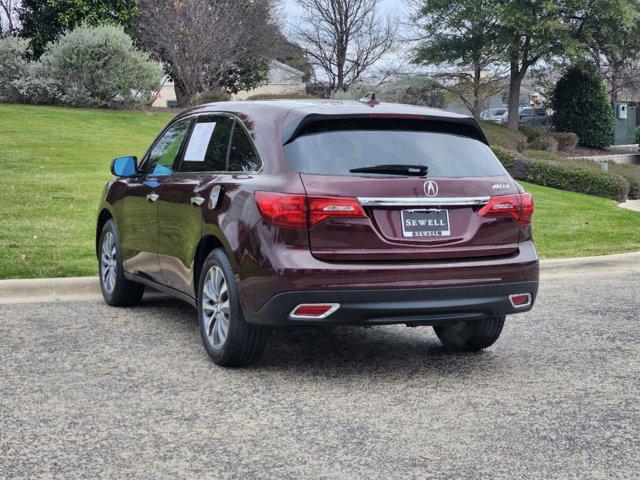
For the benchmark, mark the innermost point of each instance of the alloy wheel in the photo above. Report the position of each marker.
(215, 307)
(108, 263)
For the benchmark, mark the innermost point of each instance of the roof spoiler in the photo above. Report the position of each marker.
(467, 126)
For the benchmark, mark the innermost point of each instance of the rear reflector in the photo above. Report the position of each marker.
(300, 211)
(314, 310)
(520, 300)
(519, 207)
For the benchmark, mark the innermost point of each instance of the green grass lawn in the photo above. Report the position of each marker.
(54, 163)
(567, 224)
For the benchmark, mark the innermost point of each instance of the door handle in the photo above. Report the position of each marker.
(152, 197)
(197, 200)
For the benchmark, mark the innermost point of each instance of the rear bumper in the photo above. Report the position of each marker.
(414, 307)
(296, 270)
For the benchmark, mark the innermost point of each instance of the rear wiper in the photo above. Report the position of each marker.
(413, 170)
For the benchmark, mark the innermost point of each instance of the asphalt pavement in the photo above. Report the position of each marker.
(89, 391)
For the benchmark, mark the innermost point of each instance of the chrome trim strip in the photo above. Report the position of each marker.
(334, 307)
(400, 202)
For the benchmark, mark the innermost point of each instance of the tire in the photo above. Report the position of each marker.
(230, 343)
(116, 289)
(470, 336)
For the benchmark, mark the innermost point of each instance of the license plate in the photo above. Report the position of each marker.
(425, 223)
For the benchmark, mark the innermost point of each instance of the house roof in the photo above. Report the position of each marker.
(284, 66)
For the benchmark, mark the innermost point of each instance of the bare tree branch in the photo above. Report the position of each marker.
(344, 38)
(9, 23)
(202, 41)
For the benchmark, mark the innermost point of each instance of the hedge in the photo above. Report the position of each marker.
(544, 141)
(564, 177)
(567, 141)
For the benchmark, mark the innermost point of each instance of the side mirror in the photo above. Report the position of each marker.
(124, 166)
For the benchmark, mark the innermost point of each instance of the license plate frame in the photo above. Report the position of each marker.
(440, 217)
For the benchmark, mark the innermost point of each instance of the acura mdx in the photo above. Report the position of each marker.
(273, 213)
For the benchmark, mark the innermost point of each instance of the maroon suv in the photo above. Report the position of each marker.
(278, 213)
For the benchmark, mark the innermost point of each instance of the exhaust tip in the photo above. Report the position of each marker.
(314, 310)
(520, 300)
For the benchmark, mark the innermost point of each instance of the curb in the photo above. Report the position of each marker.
(604, 262)
(48, 289)
(78, 288)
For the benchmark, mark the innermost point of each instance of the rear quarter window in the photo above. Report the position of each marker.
(336, 152)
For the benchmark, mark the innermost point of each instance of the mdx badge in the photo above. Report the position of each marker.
(501, 186)
(431, 189)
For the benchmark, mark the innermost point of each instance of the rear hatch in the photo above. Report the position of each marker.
(407, 213)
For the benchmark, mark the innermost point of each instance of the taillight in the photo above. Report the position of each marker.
(283, 209)
(321, 208)
(300, 211)
(519, 207)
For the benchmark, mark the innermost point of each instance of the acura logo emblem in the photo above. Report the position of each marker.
(431, 189)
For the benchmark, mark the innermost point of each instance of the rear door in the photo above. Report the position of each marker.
(407, 217)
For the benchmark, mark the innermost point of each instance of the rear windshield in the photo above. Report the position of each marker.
(337, 152)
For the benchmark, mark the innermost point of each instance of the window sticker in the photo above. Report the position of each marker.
(199, 142)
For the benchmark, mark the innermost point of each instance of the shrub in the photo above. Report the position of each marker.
(13, 66)
(515, 164)
(631, 173)
(581, 106)
(530, 131)
(282, 96)
(210, 96)
(504, 137)
(573, 177)
(567, 141)
(544, 141)
(94, 67)
(506, 157)
(578, 179)
(356, 92)
(413, 90)
(37, 86)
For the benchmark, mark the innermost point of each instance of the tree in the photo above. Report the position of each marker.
(456, 36)
(9, 23)
(581, 106)
(532, 30)
(344, 38)
(613, 40)
(43, 21)
(209, 44)
(292, 54)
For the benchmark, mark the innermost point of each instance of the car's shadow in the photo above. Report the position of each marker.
(349, 350)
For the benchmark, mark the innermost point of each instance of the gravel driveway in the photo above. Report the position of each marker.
(91, 391)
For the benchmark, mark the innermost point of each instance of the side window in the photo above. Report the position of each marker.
(164, 153)
(243, 156)
(208, 145)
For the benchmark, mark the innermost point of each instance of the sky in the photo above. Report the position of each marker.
(386, 6)
(395, 8)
